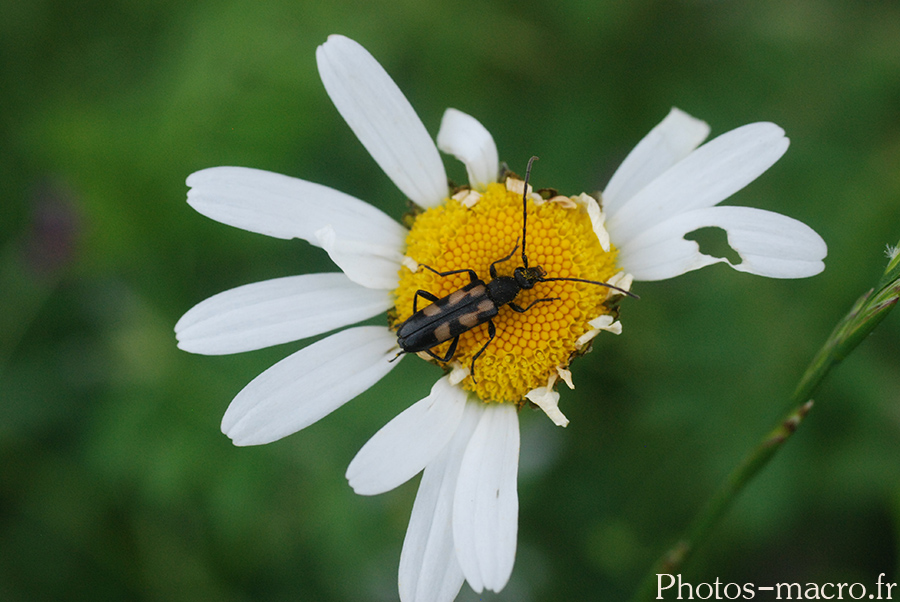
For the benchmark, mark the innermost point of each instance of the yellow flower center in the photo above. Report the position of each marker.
(530, 347)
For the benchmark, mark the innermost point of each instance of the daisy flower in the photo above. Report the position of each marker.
(464, 435)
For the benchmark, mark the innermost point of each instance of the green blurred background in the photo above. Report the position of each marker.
(116, 483)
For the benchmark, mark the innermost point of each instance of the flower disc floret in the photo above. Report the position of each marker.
(473, 230)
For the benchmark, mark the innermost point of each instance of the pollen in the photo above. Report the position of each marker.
(472, 231)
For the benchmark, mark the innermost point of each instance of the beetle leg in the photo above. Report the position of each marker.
(450, 351)
(508, 257)
(522, 310)
(492, 330)
(472, 275)
(420, 293)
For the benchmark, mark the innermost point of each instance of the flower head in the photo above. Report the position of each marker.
(528, 346)
(500, 353)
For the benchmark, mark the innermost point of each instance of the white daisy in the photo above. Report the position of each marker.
(465, 434)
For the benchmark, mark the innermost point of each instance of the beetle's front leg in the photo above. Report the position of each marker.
(522, 310)
(492, 330)
(493, 269)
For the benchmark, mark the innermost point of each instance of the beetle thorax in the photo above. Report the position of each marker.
(503, 289)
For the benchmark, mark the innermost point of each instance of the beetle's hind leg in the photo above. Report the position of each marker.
(450, 351)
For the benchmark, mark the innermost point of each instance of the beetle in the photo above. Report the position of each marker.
(446, 318)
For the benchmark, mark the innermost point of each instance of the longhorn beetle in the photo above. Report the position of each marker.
(477, 302)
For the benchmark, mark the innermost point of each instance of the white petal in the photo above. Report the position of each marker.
(429, 570)
(666, 144)
(464, 137)
(770, 244)
(405, 445)
(486, 504)
(704, 178)
(310, 384)
(269, 313)
(285, 207)
(369, 265)
(383, 120)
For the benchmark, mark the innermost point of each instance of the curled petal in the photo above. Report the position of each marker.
(276, 311)
(666, 144)
(310, 384)
(464, 137)
(770, 244)
(383, 120)
(598, 324)
(370, 265)
(597, 217)
(486, 503)
(429, 569)
(284, 207)
(409, 442)
(548, 400)
(704, 178)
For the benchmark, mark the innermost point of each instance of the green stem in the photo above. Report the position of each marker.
(868, 311)
(671, 562)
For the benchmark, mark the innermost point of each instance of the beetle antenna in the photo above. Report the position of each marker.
(607, 285)
(525, 209)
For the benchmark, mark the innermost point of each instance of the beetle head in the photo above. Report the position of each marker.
(527, 277)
